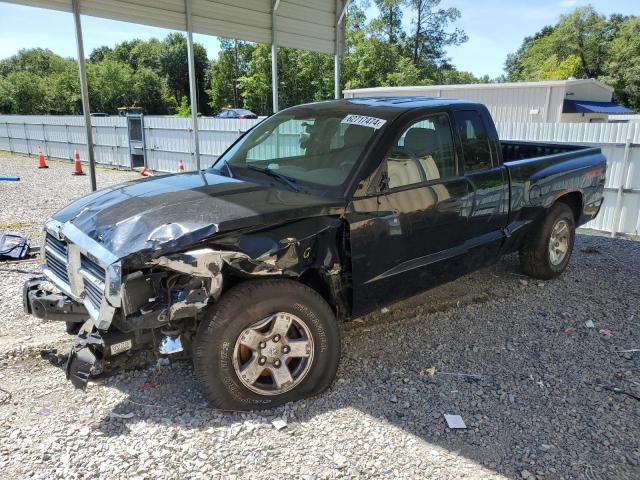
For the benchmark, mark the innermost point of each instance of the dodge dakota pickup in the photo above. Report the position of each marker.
(319, 214)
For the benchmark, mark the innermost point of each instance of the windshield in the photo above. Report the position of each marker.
(313, 149)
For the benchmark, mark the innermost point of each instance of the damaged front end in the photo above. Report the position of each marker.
(158, 311)
(150, 303)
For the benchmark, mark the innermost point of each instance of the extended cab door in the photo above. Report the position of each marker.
(482, 165)
(407, 227)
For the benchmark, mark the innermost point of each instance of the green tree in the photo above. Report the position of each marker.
(184, 109)
(174, 64)
(152, 93)
(111, 85)
(27, 93)
(584, 44)
(623, 68)
(223, 74)
(431, 36)
(255, 86)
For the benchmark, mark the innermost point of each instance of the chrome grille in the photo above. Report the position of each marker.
(56, 257)
(93, 280)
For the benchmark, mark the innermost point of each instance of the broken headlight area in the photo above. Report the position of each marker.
(158, 316)
(160, 296)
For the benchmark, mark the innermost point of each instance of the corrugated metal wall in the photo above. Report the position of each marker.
(514, 104)
(168, 140)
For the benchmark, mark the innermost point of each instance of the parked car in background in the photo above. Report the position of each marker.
(319, 214)
(236, 113)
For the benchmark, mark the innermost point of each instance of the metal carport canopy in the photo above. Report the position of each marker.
(304, 24)
(314, 25)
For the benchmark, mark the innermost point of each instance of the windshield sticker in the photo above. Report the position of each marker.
(364, 121)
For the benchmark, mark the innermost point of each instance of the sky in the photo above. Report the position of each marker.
(495, 29)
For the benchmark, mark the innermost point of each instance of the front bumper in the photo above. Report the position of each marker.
(43, 303)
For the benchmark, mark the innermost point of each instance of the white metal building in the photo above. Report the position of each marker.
(553, 101)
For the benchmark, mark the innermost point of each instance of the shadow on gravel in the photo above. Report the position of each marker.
(538, 403)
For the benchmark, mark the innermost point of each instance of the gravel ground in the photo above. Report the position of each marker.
(538, 408)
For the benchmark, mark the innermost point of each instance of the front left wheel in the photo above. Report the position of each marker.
(266, 343)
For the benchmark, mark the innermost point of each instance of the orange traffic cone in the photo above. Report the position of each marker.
(41, 161)
(78, 166)
(145, 172)
(180, 166)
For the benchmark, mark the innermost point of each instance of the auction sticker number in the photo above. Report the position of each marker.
(364, 121)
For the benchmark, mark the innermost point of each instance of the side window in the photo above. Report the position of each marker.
(422, 153)
(474, 139)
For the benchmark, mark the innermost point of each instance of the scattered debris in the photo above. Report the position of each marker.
(163, 362)
(628, 350)
(13, 247)
(148, 385)
(279, 423)
(454, 421)
(569, 329)
(614, 389)
(606, 333)
(430, 371)
(470, 375)
(590, 250)
(393, 399)
(384, 310)
(589, 324)
(43, 411)
(523, 282)
(121, 415)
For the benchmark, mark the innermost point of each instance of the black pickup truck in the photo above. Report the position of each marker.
(319, 214)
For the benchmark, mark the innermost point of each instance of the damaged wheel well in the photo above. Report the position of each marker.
(313, 279)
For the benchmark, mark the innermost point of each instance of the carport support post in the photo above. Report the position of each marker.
(274, 54)
(193, 91)
(86, 109)
(341, 10)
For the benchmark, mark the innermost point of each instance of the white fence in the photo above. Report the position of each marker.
(168, 140)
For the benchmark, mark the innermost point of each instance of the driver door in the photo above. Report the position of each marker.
(409, 236)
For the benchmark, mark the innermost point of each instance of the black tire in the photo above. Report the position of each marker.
(241, 307)
(535, 258)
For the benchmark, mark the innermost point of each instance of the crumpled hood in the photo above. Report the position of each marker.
(163, 214)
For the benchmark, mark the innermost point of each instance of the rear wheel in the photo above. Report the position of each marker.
(546, 253)
(267, 342)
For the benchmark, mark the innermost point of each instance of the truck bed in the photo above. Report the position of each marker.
(540, 172)
(514, 150)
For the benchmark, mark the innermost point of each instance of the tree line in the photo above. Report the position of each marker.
(584, 44)
(381, 51)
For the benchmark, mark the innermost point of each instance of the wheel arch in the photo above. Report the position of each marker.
(574, 201)
(328, 285)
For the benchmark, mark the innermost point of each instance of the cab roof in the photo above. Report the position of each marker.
(383, 107)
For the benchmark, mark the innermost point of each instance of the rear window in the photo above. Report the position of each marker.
(474, 139)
